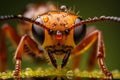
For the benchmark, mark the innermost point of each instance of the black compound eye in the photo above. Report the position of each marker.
(79, 31)
(38, 32)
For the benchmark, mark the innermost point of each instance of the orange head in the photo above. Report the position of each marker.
(58, 36)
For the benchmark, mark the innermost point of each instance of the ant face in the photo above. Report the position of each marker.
(58, 24)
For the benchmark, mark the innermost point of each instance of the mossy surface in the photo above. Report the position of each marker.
(52, 73)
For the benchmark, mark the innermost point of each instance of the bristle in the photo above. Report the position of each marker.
(77, 13)
(69, 9)
(73, 9)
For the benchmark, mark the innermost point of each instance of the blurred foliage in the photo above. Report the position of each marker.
(86, 8)
(58, 73)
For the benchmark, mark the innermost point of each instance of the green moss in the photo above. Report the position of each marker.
(40, 72)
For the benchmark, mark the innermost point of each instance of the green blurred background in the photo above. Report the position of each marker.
(87, 8)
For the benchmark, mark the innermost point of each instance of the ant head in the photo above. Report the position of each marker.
(58, 25)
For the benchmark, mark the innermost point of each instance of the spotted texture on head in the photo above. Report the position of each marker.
(58, 20)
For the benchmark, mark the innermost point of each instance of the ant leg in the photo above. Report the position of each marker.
(77, 59)
(87, 42)
(101, 56)
(92, 57)
(25, 40)
(91, 61)
(7, 30)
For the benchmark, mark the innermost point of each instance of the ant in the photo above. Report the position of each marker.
(51, 31)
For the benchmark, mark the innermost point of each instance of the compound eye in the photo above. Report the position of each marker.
(79, 31)
(38, 31)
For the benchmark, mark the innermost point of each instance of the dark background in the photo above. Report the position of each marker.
(87, 8)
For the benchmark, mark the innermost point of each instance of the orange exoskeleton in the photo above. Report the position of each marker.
(56, 32)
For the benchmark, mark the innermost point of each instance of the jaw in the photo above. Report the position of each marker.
(65, 52)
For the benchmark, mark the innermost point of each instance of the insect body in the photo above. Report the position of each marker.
(60, 32)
